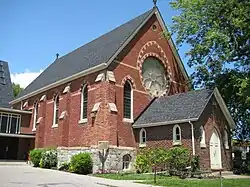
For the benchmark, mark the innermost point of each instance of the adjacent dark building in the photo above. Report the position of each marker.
(15, 141)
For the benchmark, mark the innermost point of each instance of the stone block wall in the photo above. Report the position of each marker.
(114, 157)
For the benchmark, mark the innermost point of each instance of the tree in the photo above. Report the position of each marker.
(16, 89)
(218, 33)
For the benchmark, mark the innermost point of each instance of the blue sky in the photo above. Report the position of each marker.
(33, 31)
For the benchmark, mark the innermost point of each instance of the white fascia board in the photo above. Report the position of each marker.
(224, 108)
(15, 111)
(63, 81)
(164, 123)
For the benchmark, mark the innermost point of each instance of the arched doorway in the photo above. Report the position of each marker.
(215, 150)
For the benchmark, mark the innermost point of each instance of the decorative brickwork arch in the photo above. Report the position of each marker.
(84, 83)
(56, 94)
(130, 79)
(160, 55)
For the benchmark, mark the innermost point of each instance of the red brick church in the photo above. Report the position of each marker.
(128, 88)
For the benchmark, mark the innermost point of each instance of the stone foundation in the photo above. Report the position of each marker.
(114, 157)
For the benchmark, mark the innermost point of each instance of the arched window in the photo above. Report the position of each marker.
(143, 136)
(126, 159)
(128, 101)
(203, 137)
(177, 134)
(84, 103)
(56, 111)
(226, 139)
(35, 115)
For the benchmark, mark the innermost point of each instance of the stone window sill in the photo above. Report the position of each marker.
(128, 120)
(176, 143)
(127, 169)
(203, 145)
(82, 121)
(226, 147)
(55, 126)
(142, 145)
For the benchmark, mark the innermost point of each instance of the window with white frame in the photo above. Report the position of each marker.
(35, 115)
(10, 123)
(203, 137)
(226, 139)
(128, 101)
(56, 111)
(176, 134)
(84, 103)
(126, 161)
(143, 137)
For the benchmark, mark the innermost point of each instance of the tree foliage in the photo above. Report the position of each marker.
(218, 33)
(16, 89)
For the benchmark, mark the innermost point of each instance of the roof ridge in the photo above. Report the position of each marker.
(183, 93)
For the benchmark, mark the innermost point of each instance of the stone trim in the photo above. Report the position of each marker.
(143, 92)
(128, 77)
(121, 63)
(113, 157)
(95, 146)
(43, 98)
(162, 57)
(66, 89)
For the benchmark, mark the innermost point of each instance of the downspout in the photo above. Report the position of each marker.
(192, 134)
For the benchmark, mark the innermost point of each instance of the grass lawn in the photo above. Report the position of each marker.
(200, 182)
(176, 182)
(129, 176)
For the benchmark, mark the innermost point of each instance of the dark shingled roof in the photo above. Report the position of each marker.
(90, 55)
(182, 106)
(6, 92)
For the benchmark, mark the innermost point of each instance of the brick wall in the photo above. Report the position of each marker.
(106, 125)
(212, 117)
(162, 136)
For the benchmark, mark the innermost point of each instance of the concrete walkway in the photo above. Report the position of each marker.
(230, 175)
(26, 176)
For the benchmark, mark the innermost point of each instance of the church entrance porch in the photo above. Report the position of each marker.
(215, 151)
(14, 147)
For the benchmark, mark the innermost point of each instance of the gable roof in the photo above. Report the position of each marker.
(92, 57)
(6, 92)
(180, 108)
(92, 54)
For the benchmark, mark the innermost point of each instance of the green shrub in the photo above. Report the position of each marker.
(64, 166)
(35, 156)
(81, 163)
(142, 162)
(195, 163)
(48, 159)
(157, 156)
(147, 159)
(177, 159)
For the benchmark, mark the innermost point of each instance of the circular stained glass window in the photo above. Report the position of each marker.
(154, 77)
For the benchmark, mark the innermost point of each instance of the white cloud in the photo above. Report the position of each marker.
(25, 78)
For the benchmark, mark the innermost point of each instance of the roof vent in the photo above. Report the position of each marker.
(57, 56)
(2, 77)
